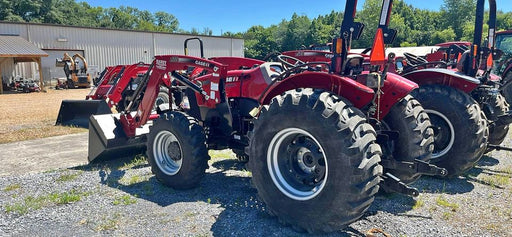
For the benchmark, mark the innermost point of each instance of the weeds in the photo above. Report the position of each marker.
(110, 223)
(497, 180)
(418, 204)
(139, 160)
(12, 187)
(223, 154)
(31, 203)
(441, 201)
(68, 177)
(124, 200)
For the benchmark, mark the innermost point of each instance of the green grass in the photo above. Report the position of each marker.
(441, 201)
(139, 160)
(497, 180)
(135, 179)
(12, 187)
(28, 204)
(124, 200)
(68, 177)
(31, 203)
(111, 223)
(223, 154)
(418, 204)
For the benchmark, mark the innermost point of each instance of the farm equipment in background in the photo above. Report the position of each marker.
(503, 65)
(309, 134)
(462, 98)
(76, 75)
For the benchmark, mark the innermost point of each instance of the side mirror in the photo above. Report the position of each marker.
(496, 54)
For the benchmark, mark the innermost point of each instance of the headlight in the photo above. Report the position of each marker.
(373, 80)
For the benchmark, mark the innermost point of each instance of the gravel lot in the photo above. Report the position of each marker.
(122, 198)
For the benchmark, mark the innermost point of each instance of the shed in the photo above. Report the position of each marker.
(20, 50)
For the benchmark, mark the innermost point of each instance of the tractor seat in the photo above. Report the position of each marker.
(353, 65)
(463, 62)
(271, 70)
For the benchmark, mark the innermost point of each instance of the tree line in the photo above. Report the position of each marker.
(416, 27)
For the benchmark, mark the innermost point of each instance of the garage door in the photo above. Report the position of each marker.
(50, 71)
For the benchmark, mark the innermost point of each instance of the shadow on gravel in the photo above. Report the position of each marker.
(228, 188)
(487, 161)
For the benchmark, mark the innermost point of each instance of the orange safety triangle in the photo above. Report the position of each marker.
(378, 54)
(489, 61)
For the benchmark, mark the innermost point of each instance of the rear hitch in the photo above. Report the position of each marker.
(504, 119)
(497, 147)
(391, 183)
(416, 166)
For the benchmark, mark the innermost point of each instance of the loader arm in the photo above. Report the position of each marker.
(209, 89)
(83, 60)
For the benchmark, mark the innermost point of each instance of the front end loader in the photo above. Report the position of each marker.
(108, 94)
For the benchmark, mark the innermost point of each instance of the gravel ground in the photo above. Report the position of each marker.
(122, 198)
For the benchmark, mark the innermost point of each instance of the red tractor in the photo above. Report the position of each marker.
(310, 135)
(503, 65)
(462, 98)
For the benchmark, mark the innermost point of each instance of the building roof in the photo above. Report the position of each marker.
(13, 46)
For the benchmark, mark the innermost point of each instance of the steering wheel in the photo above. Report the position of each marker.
(414, 60)
(284, 60)
(435, 64)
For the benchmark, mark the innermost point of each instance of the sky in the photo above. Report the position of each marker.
(238, 15)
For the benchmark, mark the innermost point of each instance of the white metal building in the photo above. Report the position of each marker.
(104, 47)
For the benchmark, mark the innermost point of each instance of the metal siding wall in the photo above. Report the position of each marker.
(112, 47)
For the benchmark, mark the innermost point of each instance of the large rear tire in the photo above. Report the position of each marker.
(497, 134)
(415, 139)
(314, 160)
(460, 127)
(177, 150)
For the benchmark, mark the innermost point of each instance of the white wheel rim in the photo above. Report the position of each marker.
(275, 156)
(167, 152)
(449, 146)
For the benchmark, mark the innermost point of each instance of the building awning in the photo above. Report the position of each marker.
(13, 46)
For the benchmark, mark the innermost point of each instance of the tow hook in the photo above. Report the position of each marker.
(391, 183)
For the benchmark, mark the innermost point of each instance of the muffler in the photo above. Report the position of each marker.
(77, 112)
(108, 141)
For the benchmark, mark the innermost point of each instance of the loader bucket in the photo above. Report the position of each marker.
(108, 141)
(77, 112)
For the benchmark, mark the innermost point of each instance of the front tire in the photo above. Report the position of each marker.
(416, 137)
(177, 150)
(460, 127)
(314, 160)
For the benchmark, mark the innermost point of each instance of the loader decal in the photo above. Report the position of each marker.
(161, 64)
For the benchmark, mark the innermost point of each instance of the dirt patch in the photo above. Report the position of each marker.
(27, 116)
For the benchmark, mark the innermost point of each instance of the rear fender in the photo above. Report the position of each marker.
(359, 94)
(395, 88)
(444, 77)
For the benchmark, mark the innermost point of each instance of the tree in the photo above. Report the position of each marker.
(456, 13)
(166, 22)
